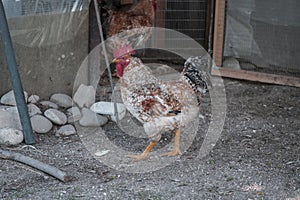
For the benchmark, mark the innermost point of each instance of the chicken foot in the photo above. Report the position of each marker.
(145, 153)
(176, 149)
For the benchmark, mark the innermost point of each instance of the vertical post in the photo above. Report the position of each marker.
(15, 77)
(98, 15)
(220, 6)
(159, 35)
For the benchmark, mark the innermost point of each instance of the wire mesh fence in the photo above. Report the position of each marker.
(264, 35)
(187, 17)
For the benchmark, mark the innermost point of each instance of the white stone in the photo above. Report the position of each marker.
(49, 104)
(9, 98)
(231, 63)
(33, 109)
(7, 119)
(73, 114)
(40, 124)
(10, 136)
(102, 153)
(201, 116)
(33, 99)
(12, 109)
(2, 107)
(114, 118)
(56, 116)
(85, 96)
(90, 118)
(66, 130)
(107, 108)
(15, 117)
(62, 100)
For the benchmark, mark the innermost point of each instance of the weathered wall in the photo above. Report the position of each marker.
(49, 51)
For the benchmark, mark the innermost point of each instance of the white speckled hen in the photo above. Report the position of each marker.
(161, 105)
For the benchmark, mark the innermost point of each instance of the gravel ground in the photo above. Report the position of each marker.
(256, 157)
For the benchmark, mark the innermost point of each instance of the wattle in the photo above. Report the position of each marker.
(120, 69)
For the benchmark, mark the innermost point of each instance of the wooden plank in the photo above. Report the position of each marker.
(219, 31)
(256, 76)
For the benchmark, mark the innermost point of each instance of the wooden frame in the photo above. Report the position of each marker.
(219, 27)
(218, 46)
(256, 76)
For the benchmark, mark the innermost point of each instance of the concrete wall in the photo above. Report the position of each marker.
(49, 51)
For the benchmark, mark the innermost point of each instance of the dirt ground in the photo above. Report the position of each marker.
(256, 157)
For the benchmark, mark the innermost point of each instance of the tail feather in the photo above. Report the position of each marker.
(196, 72)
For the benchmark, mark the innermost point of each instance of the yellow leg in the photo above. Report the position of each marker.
(176, 150)
(144, 154)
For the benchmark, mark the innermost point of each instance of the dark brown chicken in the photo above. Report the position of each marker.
(131, 27)
(139, 15)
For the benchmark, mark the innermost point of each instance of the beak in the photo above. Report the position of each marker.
(115, 60)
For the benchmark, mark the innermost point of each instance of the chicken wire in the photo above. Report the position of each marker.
(264, 34)
(185, 16)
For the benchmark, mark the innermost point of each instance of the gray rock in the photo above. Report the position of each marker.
(40, 124)
(7, 119)
(10, 136)
(15, 117)
(2, 107)
(231, 63)
(49, 104)
(248, 66)
(56, 116)
(66, 130)
(62, 100)
(90, 118)
(85, 96)
(33, 99)
(9, 98)
(102, 119)
(107, 108)
(73, 114)
(33, 109)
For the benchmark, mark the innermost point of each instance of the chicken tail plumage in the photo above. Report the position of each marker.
(196, 73)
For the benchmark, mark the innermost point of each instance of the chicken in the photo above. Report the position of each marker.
(161, 105)
(133, 26)
(139, 15)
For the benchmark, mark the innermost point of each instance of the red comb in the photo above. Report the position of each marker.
(123, 51)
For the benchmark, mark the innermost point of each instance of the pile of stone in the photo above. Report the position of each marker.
(59, 113)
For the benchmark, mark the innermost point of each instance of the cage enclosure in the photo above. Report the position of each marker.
(258, 40)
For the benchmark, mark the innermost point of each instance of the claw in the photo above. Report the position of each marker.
(137, 157)
(175, 152)
(143, 155)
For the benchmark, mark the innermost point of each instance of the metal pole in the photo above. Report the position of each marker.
(15, 77)
(106, 59)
